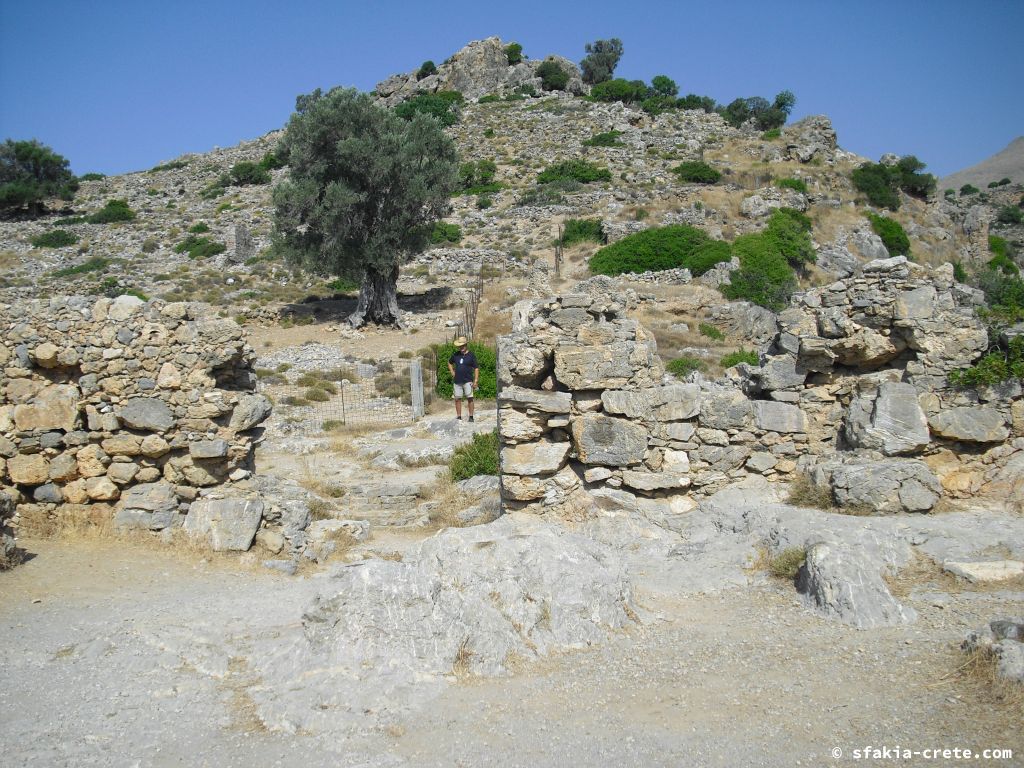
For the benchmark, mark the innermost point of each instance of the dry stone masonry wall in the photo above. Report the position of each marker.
(851, 390)
(125, 409)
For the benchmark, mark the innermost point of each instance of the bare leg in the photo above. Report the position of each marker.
(458, 407)
(469, 402)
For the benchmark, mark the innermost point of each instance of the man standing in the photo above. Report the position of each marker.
(465, 375)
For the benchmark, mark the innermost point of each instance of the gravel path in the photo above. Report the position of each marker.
(132, 656)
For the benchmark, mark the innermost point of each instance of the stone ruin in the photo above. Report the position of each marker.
(851, 392)
(131, 411)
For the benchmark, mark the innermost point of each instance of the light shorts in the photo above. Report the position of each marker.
(463, 390)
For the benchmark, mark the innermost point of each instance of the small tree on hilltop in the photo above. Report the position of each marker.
(30, 172)
(601, 59)
(663, 85)
(364, 191)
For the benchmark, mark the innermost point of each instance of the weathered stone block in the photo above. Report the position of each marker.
(31, 469)
(538, 400)
(52, 407)
(534, 458)
(601, 439)
(146, 413)
(226, 524)
(773, 416)
(970, 425)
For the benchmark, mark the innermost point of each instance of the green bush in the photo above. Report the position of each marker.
(1004, 264)
(212, 191)
(949, 194)
(998, 245)
(874, 181)
(789, 232)
(478, 457)
(693, 101)
(798, 184)
(444, 105)
(246, 173)
(748, 356)
(174, 165)
(696, 172)
(626, 91)
(959, 273)
(891, 232)
(484, 201)
(764, 277)
(606, 139)
(601, 59)
(968, 189)
(580, 230)
(57, 238)
(709, 331)
(552, 193)
(114, 210)
(486, 358)
(427, 68)
(31, 172)
(660, 248)
(1010, 214)
(994, 367)
(1004, 294)
(489, 133)
(574, 170)
(92, 177)
(663, 85)
(684, 366)
(477, 178)
(552, 76)
(444, 232)
(199, 247)
(514, 53)
(772, 134)
(95, 264)
(343, 285)
(910, 179)
(271, 162)
(200, 228)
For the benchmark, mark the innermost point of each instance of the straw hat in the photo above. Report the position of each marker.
(461, 341)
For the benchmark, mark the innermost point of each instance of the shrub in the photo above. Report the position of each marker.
(271, 162)
(708, 330)
(765, 114)
(247, 173)
(772, 134)
(764, 277)
(174, 165)
(478, 178)
(150, 244)
(693, 101)
(574, 170)
(787, 563)
(684, 366)
(664, 86)
(798, 184)
(95, 264)
(427, 68)
(212, 190)
(788, 232)
(949, 194)
(995, 367)
(1004, 264)
(891, 232)
(606, 139)
(444, 232)
(92, 177)
(911, 180)
(1004, 294)
(580, 230)
(875, 183)
(968, 189)
(552, 76)
(1010, 214)
(444, 105)
(696, 172)
(114, 210)
(342, 285)
(748, 356)
(489, 133)
(626, 91)
(514, 53)
(57, 238)
(998, 245)
(478, 457)
(199, 247)
(959, 273)
(660, 248)
(486, 358)
(200, 228)
(484, 201)
(552, 193)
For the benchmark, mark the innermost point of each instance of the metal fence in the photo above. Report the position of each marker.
(390, 392)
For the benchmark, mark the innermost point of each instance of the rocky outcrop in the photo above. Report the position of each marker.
(122, 402)
(1003, 639)
(811, 138)
(478, 69)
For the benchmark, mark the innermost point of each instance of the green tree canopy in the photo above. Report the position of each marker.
(364, 190)
(30, 172)
(663, 85)
(601, 59)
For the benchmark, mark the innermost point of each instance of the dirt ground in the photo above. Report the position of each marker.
(120, 655)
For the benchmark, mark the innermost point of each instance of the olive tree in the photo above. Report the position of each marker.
(364, 190)
(30, 172)
(601, 59)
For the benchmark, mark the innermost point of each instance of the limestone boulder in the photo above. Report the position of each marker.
(150, 506)
(517, 427)
(535, 399)
(607, 440)
(249, 411)
(889, 419)
(726, 408)
(978, 424)
(882, 487)
(226, 523)
(52, 407)
(773, 416)
(30, 469)
(147, 414)
(534, 458)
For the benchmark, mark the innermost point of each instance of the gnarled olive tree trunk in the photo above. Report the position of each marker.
(378, 299)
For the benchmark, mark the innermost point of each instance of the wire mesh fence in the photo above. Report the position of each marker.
(388, 392)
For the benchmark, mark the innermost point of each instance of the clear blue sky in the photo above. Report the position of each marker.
(119, 86)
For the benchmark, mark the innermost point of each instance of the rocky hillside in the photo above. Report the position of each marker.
(1006, 164)
(198, 235)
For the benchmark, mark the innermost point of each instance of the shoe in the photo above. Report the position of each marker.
(470, 418)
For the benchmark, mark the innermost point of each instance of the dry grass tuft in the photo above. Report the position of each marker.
(449, 501)
(804, 493)
(978, 675)
(463, 665)
(784, 564)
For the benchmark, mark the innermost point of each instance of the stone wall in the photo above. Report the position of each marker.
(851, 390)
(119, 407)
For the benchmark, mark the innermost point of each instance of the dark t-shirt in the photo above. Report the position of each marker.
(464, 365)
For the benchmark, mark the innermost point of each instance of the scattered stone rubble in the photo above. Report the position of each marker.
(118, 408)
(851, 390)
(1004, 639)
